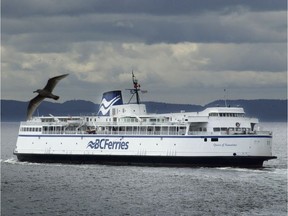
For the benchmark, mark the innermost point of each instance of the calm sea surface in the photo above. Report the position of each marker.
(59, 189)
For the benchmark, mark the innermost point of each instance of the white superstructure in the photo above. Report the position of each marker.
(127, 134)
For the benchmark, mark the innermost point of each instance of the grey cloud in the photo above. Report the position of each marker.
(100, 42)
(51, 34)
(15, 8)
(245, 57)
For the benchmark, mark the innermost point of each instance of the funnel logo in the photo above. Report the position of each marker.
(108, 100)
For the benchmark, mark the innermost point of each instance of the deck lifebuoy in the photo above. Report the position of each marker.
(237, 124)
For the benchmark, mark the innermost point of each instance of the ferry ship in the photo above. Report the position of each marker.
(125, 134)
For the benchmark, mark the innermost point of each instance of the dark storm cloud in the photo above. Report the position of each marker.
(202, 43)
(44, 33)
(16, 8)
(50, 25)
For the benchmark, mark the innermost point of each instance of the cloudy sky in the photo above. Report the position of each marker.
(182, 51)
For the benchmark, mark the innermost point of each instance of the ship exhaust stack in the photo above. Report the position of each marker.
(108, 100)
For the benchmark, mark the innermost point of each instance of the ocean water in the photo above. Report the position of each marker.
(60, 189)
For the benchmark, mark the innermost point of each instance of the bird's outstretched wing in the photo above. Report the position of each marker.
(33, 104)
(52, 82)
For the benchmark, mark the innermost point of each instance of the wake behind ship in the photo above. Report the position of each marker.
(126, 134)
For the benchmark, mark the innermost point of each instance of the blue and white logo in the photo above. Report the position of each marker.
(108, 100)
(107, 144)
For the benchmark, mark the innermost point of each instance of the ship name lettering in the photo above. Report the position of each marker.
(224, 145)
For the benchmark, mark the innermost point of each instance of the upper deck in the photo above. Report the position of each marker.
(114, 117)
(132, 119)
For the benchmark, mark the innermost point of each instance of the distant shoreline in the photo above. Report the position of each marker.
(266, 110)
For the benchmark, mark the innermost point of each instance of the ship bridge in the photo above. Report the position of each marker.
(128, 110)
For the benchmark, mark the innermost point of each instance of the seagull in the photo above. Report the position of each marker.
(46, 92)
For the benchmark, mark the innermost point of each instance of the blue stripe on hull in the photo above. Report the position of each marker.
(154, 136)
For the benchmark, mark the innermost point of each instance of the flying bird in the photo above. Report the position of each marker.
(46, 92)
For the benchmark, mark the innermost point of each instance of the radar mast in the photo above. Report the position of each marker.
(136, 89)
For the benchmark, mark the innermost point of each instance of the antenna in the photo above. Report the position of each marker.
(136, 89)
(225, 97)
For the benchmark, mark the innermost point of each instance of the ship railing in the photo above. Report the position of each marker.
(204, 133)
(199, 133)
(148, 133)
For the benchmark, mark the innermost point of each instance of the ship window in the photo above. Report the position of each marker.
(150, 130)
(214, 139)
(205, 139)
(121, 129)
(143, 130)
(157, 130)
(164, 130)
(172, 130)
(213, 114)
(216, 129)
(129, 129)
(135, 130)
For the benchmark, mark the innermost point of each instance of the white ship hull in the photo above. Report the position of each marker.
(241, 151)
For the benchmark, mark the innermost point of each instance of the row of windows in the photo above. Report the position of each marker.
(53, 128)
(131, 119)
(31, 129)
(230, 129)
(227, 114)
(156, 130)
(150, 130)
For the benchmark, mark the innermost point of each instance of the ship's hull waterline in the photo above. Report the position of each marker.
(190, 151)
(166, 161)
